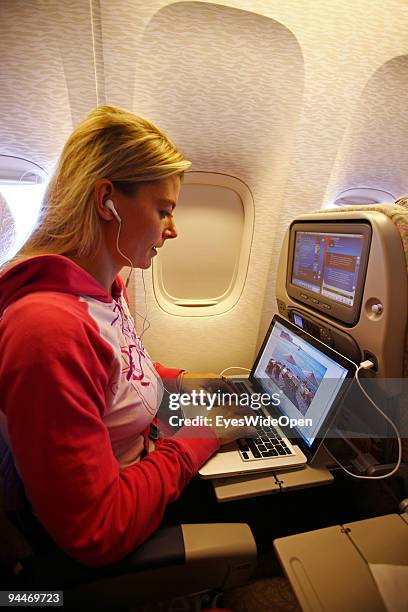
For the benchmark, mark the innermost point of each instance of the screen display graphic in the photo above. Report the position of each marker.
(307, 380)
(328, 264)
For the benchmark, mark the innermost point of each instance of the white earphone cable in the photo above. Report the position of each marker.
(121, 252)
(145, 319)
(365, 365)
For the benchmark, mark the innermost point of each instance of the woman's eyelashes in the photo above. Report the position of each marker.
(165, 214)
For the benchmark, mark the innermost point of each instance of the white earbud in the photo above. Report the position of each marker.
(110, 206)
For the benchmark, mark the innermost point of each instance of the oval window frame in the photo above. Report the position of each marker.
(219, 304)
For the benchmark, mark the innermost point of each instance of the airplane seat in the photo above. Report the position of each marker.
(177, 560)
(343, 277)
(180, 560)
(7, 230)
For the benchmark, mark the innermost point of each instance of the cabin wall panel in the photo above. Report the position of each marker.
(71, 24)
(370, 153)
(32, 83)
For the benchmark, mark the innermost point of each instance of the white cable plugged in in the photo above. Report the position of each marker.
(367, 365)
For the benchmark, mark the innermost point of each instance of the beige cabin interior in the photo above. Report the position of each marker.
(289, 111)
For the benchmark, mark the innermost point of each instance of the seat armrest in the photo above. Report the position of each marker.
(217, 556)
(182, 559)
(54, 568)
(165, 547)
(226, 550)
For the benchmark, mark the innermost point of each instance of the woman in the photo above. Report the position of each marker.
(78, 390)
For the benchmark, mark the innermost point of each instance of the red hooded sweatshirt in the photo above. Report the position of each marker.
(77, 392)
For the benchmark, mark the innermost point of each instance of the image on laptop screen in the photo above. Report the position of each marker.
(307, 380)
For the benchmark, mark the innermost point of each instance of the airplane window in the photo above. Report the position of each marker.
(22, 186)
(203, 271)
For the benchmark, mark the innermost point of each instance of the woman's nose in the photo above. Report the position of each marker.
(170, 231)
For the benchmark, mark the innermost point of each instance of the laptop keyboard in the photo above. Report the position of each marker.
(267, 444)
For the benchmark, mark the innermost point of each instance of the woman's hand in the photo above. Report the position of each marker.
(227, 418)
(224, 427)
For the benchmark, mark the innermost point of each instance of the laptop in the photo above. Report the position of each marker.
(301, 382)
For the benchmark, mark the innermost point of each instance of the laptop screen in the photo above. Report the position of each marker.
(307, 380)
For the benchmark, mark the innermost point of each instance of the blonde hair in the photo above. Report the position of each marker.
(110, 143)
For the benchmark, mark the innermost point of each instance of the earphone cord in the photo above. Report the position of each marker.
(123, 255)
(146, 323)
(145, 320)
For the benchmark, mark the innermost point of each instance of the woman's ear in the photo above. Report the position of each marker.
(102, 192)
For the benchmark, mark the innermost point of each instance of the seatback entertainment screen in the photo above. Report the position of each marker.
(328, 264)
(327, 267)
